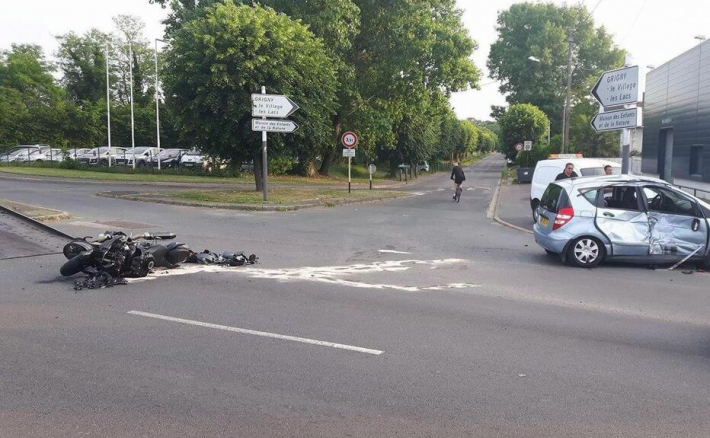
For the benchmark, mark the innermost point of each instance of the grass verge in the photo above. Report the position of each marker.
(282, 196)
(34, 212)
(97, 175)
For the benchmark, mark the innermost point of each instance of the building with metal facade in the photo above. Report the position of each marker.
(676, 119)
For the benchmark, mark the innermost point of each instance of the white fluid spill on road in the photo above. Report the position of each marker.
(391, 251)
(337, 275)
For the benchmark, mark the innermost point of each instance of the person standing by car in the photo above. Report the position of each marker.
(567, 173)
(458, 176)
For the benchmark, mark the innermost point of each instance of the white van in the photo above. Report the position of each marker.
(547, 170)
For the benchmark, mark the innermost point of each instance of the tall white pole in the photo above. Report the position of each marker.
(133, 132)
(157, 109)
(264, 164)
(108, 109)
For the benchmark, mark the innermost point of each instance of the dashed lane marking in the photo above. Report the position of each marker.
(258, 333)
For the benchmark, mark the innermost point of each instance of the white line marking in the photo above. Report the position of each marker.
(391, 251)
(258, 333)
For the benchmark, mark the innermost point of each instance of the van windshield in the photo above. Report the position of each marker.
(599, 171)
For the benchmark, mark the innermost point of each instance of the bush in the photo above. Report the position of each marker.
(280, 165)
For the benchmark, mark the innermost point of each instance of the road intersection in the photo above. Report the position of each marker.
(477, 331)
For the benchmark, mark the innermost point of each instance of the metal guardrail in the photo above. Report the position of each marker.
(695, 191)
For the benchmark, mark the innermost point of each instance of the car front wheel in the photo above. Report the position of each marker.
(585, 252)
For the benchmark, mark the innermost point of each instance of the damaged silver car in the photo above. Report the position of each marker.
(625, 218)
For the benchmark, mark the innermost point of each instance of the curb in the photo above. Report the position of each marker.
(493, 211)
(36, 223)
(247, 207)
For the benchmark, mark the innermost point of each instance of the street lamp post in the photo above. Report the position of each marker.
(568, 97)
(108, 110)
(157, 106)
(133, 131)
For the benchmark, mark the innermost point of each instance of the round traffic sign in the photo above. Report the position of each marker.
(349, 140)
(519, 147)
(372, 168)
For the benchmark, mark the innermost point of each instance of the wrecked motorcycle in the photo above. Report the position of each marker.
(114, 255)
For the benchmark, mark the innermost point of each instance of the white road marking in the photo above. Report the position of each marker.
(440, 190)
(391, 251)
(258, 333)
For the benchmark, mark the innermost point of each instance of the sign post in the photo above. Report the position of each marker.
(618, 88)
(372, 169)
(349, 140)
(270, 105)
(264, 165)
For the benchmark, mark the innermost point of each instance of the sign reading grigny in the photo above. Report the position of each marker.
(618, 87)
(272, 105)
(615, 120)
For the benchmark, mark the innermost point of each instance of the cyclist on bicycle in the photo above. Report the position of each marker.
(458, 176)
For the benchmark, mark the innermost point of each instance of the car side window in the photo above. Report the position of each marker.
(590, 195)
(620, 198)
(663, 200)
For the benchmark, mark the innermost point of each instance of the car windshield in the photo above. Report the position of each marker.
(138, 151)
(169, 152)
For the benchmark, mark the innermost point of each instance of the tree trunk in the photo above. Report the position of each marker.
(331, 154)
(258, 170)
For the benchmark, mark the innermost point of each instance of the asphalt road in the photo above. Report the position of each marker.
(448, 325)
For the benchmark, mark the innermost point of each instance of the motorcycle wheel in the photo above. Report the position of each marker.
(73, 266)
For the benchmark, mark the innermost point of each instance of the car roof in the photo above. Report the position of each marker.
(595, 181)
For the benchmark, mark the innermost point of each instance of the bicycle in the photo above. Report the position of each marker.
(457, 196)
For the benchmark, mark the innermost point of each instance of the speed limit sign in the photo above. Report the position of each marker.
(349, 140)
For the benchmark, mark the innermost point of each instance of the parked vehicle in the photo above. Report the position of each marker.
(22, 153)
(115, 255)
(168, 158)
(547, 170)
(46, 155)
(100, 155)
(73, 154)
(193, 159)
(143, 155)
(587, 220)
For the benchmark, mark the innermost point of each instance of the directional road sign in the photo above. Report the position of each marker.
(271, 125)
(272, 105)
(348, 152)
(615, 120)
(617, 87)
(349, 139)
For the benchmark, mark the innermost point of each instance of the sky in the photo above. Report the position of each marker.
(653, 31)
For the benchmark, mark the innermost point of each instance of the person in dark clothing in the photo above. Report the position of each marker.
(567, 173)
(458, 176)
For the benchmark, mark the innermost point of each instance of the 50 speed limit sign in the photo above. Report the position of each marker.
(349, 140)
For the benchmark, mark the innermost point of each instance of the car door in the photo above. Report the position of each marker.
(677, 224)
(621, 217)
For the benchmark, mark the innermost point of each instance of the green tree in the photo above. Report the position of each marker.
(522, 122)
(541, 31)
(220, 58)
(31, 102)
(584, 139)
(82, 61)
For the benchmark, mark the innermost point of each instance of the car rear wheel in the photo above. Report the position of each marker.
(585, 252)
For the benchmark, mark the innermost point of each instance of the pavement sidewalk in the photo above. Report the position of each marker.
(514, 205)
